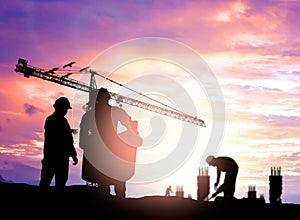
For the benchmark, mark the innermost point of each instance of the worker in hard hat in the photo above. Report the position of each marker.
(230, 168)
(109, 156)
(58, 146)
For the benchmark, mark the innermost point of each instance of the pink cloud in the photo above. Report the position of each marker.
(252, 45)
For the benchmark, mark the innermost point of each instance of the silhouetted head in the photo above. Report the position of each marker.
(61, 106)
(209, 159)
(103, 96)
(62, 103)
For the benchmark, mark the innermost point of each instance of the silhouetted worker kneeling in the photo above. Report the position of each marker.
(58, 146)
(231, 168)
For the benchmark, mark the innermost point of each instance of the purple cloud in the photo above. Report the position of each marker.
(280, 120)
(31, 109)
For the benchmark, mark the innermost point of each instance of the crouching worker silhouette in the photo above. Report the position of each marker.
(109, 156)
(58, 146)
(230, 168)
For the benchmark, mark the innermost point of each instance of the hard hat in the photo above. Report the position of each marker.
(62, 102)
(209, 158)
(103, 94)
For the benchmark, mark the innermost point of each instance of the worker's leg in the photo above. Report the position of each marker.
(47, 174)
(62, 173)
(229, 184)
(120, 189)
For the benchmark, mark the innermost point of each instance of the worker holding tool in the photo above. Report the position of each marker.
(58, 146)
(230, 168)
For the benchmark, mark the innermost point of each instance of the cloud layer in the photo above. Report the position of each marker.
(252, 48)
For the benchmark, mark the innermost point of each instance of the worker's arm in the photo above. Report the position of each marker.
(83, 132)
(131, 135)
(219, 190)
(218, 177)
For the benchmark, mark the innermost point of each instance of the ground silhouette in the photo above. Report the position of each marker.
(83, 201)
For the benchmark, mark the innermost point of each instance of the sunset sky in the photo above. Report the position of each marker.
(250, 48)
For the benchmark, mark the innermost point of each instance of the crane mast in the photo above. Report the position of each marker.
(28, 71)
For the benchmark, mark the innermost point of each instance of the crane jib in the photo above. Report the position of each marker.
(49, 75)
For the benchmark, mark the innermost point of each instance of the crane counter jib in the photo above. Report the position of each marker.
(49, 75)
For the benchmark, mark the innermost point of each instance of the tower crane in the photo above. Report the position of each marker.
(28, 71)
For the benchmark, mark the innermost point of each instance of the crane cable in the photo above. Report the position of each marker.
(119, 84)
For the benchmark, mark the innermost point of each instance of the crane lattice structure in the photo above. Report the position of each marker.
(64, 80)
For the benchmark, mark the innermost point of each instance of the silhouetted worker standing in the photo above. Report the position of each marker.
(109, 157)
(89, 140)
(58, 146)
(231, 168)
(169, 191)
